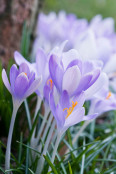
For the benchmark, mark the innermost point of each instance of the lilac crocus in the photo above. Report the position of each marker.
(40, 67)
(76, 76)
(22, 84)
(104, 100)
(68, 111)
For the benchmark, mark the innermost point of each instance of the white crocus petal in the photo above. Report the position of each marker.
(87, 46)
(96, 86)
(74, 118)
(80, 99)
(6, 81)
(19, 59)
(71, 79)
(58, 51)
(111, 65)
(104, 49)
(69, 56)
(34, 86)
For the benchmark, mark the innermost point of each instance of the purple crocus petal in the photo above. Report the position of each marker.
(24, 68)
(71, 79)
(21, 85)
(64, 100)
(39, 94)
(60, 117)
(96, 86)
(105, 105)
(13, 74)
(76, 62)
(46, 92)
(56, 73)
(52, 104)
(87, 67)
(74, 118)
(31, 78)
(90, 117)
(96, 74)
(84, 83)
(19, 59)
(41, 60)
(33, 87)
(6, 81)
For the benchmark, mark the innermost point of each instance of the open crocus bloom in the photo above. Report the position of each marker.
(104, 100)
(22, 82)
(68, 111)
(76, 75)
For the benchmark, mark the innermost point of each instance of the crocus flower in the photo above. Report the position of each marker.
(68, 111)
(40, 67)
(104, 100)
(22, 82)
(53, 29)
(75, 76)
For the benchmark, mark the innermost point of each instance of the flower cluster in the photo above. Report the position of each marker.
(66, 74)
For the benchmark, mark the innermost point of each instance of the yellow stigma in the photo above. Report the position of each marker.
(50, 82)
(69, 111)
(25, 73)
(109, 95)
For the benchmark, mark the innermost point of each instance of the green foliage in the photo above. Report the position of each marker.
(82, 8)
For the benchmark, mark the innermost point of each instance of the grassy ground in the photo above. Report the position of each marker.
(83, 8)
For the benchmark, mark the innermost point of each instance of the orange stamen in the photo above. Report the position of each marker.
(109, 95)
(69, 111)
(25, 73)
(50, 82)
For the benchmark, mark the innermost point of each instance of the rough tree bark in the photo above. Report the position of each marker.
(13, 13)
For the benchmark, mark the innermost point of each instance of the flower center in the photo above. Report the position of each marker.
(50, 82)
(109, 95)
(70, 109)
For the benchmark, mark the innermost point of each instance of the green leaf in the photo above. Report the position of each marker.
(25, 41)
(31, 171)
(29, 147)
(2, 170)
(70, 169)
(11, 170)
(51, 165)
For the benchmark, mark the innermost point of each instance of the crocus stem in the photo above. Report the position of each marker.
(55, 148)
(41, 160)
(47, 110)
(28, 114)
(38, 105)
(8, 149)
(45, 132)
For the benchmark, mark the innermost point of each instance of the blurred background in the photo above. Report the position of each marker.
(14, 14)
